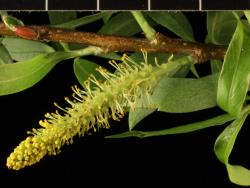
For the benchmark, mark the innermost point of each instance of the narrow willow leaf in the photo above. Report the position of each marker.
(22, 75)
(122, 24)
(84, 68)
(223, 148)
(175, 22)
(5, 57)
(21, 49)
(180, 95)
(220, 26)
(235, 74)
(82, 21)
(59, 17)
(219, 120)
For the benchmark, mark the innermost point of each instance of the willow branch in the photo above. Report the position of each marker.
(109, 43)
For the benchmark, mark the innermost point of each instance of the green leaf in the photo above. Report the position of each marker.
(84, 68)
(82, 21)
(122, 24)
(5, 57)
(107, 17)
(16, 77)
(234, 77)
(223, 148)
(181, 95)
(21, 49)
(220, 26)
(219, 120)
(11, 22)
(175, 22)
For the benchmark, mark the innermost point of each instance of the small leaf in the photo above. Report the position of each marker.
(5, 57)
(175, 22)
(122, 24)
(235, 74)
(219, 120)
(220, 27)
(223, 148)
(59, 18)
(84, 68)
(21, 49)
(11, 22)
(16, 77)
(82, 21)
(181, 95)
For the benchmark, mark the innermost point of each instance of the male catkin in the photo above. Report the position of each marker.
(91, 108)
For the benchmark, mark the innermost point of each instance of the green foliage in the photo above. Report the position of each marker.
(219, 120)
(224, 146)
(234, 77)
(23, 63)
(22, 75)
(220, 27)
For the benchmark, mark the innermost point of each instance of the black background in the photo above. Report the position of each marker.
(170, 161)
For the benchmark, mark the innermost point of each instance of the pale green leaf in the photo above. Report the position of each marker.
(219, 120)
(220, 26)
(180, 95)
(223, 148)
(235, 74)
(21, 49)
(16, 77)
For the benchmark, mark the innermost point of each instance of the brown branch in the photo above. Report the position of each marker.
(202, 52)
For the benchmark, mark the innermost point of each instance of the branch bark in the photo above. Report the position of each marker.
(109, 43)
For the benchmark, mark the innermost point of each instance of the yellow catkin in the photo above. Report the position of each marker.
(91, 109)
